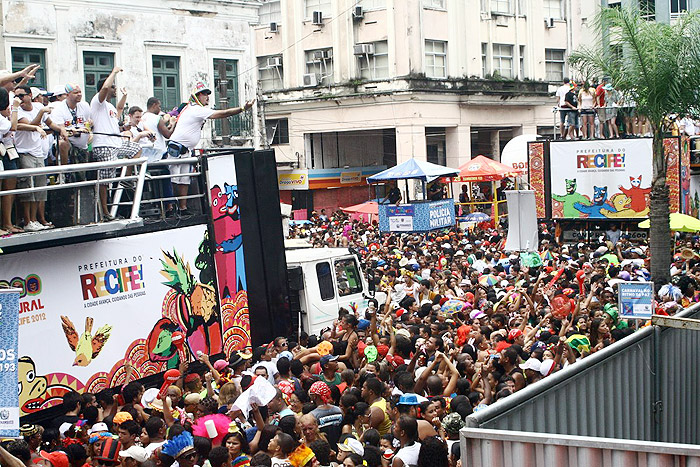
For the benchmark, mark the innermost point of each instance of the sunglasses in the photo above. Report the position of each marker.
(21, 95)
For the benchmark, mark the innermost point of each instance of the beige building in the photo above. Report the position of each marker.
(375, 82)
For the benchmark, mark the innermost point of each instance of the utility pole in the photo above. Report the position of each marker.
(261, 117)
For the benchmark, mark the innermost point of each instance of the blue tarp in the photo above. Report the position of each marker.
(415, 169)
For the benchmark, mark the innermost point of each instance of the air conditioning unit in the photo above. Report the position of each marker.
(549, 23)
(310, 80)
(317, 18)
(358, 12)
(363, 49)
(273, 27)
(274, 62)
(321, 55)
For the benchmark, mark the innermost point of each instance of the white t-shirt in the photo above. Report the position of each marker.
(561, 94)
(151, 121)
(62, 115)
(409, 454)
(104, 120)
(188, 130)
(29, 142)
(5, 126)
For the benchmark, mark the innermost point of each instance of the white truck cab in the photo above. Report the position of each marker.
(325, 280)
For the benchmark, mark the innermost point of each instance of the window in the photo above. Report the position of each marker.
(270, 12)
(679, 6)
(434, 4)
(166, 80)
(325, 281)
(375, 66)
(436, 59)
(227, 69)
(554, 64)
(484, 62)
(324, 6)
(503, 60)
(348, 277)
(552, 9)
(320, 62)
(278, 129)
(96, 66)
(270, 73)
(22, 58)
(521, 57)
(501, 6)
(648, 9)
(372, 4)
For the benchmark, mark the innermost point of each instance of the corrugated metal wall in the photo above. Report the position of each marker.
(611, 393)
(501, 448)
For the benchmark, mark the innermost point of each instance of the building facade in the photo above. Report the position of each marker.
(372, 83)
(164, 47)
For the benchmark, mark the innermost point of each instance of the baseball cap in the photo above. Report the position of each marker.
(453, 422)
(98, 428)
(326, 359)
(546, 367)
(238, 357)
(60, 90)
(531, 364)
(200, 87)
(137, 453)
(352, 445)
(56, 458)
(220, 364)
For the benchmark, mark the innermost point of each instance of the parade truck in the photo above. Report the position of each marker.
(154, 292)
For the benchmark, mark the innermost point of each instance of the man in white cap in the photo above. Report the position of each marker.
(188, 132)
(133, 457)
(72, 113)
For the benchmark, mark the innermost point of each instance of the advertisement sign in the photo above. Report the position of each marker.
(293, 179)
(400, 218)
(635, 299)
(9, 399)
(222, 184)
(417, 217)
(350, 177)
(604, 179)
(86, 309)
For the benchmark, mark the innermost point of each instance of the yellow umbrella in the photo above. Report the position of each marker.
(679, 223)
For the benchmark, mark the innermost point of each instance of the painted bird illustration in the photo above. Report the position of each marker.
(86, 346)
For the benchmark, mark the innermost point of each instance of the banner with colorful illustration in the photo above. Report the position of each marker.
(603, 179)
(222, 185)
(86, 309)
(9, 400)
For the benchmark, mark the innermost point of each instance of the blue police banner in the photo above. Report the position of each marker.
(635, 299)
(422, 216)
(9, 396)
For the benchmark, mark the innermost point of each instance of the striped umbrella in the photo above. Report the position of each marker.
(488, 280)
(547, 255)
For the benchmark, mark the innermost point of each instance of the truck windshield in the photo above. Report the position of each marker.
(325, 281)
(348, 277)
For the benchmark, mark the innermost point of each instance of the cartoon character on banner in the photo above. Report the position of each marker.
(569, 199)
(637, 195)
(227, 236)
(600, 198)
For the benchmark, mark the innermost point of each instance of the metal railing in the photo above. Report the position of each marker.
(60, 170)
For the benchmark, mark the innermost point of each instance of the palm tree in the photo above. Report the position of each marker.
(660, 70)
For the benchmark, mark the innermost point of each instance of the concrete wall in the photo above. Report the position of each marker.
(135, 30)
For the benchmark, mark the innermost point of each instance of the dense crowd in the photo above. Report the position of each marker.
(457, 324)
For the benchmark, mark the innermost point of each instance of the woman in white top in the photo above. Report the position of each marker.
(585, 105)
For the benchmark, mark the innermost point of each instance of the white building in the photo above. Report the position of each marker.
(164, 47)
(363, 83)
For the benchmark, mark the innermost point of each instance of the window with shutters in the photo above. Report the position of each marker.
(166, 80)
(96, 66)
(23, 57)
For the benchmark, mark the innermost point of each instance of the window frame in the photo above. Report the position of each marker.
(501, 58)
(268, 17)
(549, 60)
(310, 66)
(281, 135)
(356, 271)
(373, 7)
(161, 91)
(547, 9)
(89, 91)
(276, 73)
(324, 283)
(324, 6)
(435, 4)
(371, 65)
(39, 79)
(496, 5)
(433, 54)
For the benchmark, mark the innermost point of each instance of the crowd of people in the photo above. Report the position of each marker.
(456, 325)
(40, 128)
(598, 110)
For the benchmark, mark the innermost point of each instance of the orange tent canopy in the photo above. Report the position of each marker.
(368, 207)
(483, 169)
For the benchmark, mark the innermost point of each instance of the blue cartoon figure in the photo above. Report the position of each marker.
(600, 197)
